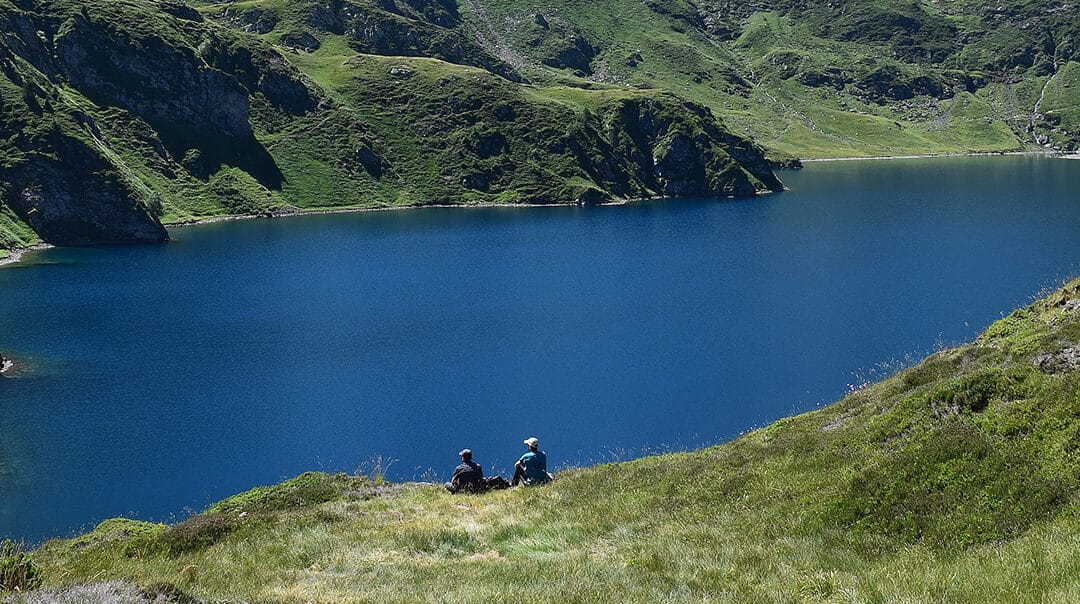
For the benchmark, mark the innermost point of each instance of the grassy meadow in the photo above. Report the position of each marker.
(954, 480)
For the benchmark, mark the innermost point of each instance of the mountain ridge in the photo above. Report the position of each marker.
(175, 117)
(299, 117)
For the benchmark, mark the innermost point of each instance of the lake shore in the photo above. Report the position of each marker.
(294, 211)
(939, 155)
(16, 255)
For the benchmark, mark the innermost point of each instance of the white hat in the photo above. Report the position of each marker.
(465, 453)
(531, 441)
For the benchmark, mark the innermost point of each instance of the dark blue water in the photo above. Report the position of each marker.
(156, 380)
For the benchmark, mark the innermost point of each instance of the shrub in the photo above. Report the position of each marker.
(309, 488)
(197, 532)
(958, 488)
(17, 569)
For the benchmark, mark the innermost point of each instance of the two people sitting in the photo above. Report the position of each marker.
(529, 469)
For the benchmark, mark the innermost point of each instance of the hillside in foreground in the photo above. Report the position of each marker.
(954, 480)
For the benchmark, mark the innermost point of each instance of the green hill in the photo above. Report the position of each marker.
(120, 115)
(845, 78)
(952, 481)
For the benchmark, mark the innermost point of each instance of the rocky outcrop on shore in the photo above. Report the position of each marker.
(115, 117)
(176, 90)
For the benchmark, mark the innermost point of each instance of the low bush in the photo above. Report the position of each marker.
(17, 569)
(959, 488)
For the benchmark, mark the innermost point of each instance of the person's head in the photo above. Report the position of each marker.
(466, 455)
(532, 443)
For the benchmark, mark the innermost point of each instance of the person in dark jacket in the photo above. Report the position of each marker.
(468, 477)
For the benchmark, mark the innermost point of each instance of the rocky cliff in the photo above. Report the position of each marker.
(120, 117)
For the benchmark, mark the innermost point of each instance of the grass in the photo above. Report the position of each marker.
(766, 68)
(321, 135)
(954, 480)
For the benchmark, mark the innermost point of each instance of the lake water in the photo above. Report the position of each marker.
(156, 380)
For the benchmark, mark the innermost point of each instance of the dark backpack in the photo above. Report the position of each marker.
(492, 483)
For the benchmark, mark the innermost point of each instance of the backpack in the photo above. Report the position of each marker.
(492, 483)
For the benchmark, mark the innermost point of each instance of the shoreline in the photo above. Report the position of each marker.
(327, 211)
(938, 155)
(16, 255)
(295, 211)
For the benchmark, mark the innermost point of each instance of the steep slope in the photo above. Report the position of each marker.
(954, 480)
(172, 113)
(853, 77)
(122, 115)
(57, 179)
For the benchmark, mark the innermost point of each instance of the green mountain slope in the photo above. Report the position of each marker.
(845, 78)
(174, 114)
(955, 480)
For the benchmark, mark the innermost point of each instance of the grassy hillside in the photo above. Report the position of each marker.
(266, 106)
(177, 112)
(953, 481)
(847, 78)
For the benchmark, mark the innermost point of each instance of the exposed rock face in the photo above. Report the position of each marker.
(400, 28)
(188, 87)
(160, 83)
(576, 53)
(1062, 361)
(628, 149)
(78, 198)
(680, 151)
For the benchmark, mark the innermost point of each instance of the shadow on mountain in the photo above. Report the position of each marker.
(204, 154)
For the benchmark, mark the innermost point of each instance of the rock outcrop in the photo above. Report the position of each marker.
(75, 196)
(165, 85)
(179, 89)
(116, 115)
(670, 148)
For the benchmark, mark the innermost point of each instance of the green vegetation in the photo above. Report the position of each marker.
(849, 78)
(262, 107)
(17, 569)
(954, 480)
(277, 106)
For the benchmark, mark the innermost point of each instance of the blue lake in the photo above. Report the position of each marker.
(156, 380)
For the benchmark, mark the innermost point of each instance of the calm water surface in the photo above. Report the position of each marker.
(156, 380)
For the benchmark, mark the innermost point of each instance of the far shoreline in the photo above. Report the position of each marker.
(941, 155)
(294, 211)
(16, 255)
(288, 211)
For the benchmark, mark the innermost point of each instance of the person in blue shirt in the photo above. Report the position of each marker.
(531, 468)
